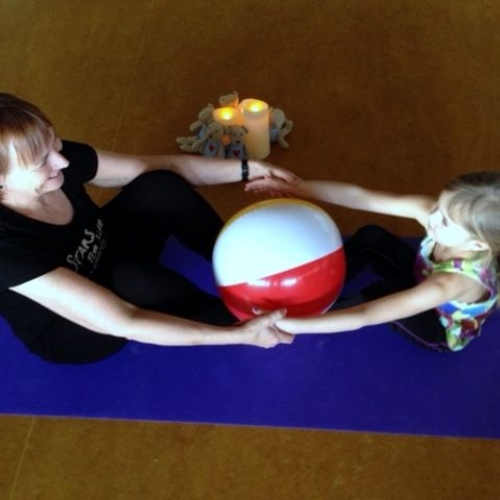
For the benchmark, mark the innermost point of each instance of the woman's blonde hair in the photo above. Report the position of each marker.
(476, 198)
(24, 131)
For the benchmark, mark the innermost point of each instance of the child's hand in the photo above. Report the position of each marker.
(262, 332)
(272, 186)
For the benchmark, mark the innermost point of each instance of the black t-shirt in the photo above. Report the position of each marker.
(30, 248)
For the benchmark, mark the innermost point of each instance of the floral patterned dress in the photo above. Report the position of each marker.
(461, 320)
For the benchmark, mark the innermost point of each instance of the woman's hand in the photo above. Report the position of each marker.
(263, 170)
(262, 332)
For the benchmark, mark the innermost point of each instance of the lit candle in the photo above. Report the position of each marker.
(255, 116)
(227, 116)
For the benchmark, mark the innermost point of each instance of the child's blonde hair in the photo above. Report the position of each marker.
(24, 131)
(476, 198)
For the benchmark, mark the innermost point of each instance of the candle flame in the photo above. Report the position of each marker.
(256, 106)
(227, 113)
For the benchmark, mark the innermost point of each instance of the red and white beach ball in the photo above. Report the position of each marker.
(279, 253)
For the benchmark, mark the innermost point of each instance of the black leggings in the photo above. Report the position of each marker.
(392, 259)
(139, 220)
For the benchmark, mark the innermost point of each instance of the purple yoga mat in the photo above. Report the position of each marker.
(370, 380)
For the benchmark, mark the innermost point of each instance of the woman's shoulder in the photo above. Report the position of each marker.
(78, 151)
(82, 159)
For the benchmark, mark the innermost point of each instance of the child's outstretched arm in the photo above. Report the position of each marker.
(435, 290)
(349, 195)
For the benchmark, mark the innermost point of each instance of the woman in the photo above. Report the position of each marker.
(76, 280)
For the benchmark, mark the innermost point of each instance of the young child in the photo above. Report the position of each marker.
(439, 294)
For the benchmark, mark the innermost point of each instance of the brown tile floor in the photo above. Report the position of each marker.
(397, 94)
(82, 459)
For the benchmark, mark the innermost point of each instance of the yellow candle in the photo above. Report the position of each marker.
(255, 116)
(227, 116)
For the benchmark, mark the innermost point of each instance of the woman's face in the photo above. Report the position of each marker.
(42, 176)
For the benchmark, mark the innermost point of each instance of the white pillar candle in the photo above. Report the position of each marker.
(227, 116)
(255, 116)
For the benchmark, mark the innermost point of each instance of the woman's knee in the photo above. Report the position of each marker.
(68, 343)
(153, 187)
